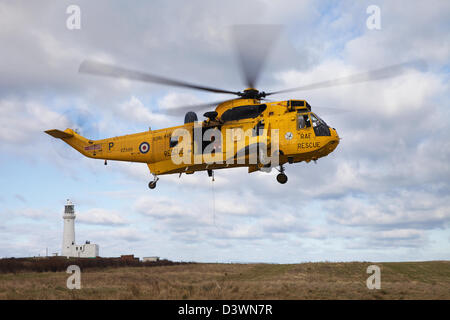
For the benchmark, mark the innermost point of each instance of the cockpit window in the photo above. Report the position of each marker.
(319, 120)
(315, 121)
(303, 120)
(320, 127)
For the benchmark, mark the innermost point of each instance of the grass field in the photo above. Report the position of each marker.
(399, 280)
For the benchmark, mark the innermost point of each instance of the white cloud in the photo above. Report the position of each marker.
(172, 101)
(400, 234)
(23, 121)
(101, 216)
(118, 234)
(30, 212)
(420, 209)
(134, 110)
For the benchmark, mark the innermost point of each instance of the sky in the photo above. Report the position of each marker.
(382, 195)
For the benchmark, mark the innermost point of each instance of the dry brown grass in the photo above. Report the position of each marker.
(408, 280)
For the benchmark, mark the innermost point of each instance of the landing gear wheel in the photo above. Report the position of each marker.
(152, 184)
(282, 178)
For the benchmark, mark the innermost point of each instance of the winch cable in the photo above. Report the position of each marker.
(213, 199)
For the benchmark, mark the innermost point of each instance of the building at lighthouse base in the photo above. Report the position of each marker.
(86, 250)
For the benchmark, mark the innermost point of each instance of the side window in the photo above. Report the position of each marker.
(300, 122)
(258, 129)
(303, 121)
(173, 141)
(308, 122)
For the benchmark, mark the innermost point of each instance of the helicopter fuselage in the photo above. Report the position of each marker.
(241, 123)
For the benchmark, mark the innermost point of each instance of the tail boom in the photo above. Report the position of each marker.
(122, 148)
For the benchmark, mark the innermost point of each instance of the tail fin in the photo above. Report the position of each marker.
(80, 143)
(55, 133)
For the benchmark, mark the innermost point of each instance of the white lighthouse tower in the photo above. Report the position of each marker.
(69, 247)
(69, 229)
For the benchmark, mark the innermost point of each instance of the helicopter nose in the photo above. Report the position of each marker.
(336, 135)
(334, 139)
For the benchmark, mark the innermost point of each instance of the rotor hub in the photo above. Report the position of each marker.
(252, 93)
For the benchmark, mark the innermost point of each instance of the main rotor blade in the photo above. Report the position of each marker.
(252, 45)
(179, 110)
(108, 70)
(378, 74)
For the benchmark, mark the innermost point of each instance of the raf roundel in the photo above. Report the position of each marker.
(288, 135)
(144, 147)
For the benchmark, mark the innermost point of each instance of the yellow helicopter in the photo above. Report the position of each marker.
(248, 131)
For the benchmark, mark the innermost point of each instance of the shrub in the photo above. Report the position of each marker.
(58, 264)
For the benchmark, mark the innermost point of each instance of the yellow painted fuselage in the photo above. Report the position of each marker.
(298, 136)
